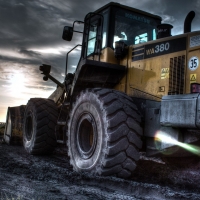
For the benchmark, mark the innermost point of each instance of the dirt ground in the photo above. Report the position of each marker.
(24, 176)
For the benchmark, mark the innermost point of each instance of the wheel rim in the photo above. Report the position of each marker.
(29, 126)
(86, 136)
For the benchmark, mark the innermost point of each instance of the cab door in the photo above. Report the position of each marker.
(92, 38)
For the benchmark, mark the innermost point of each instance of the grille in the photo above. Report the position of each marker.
(176, 75)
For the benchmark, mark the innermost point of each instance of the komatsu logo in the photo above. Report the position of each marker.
(135, 17)
(158, 48)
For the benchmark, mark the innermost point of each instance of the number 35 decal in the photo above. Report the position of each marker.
(193, 63)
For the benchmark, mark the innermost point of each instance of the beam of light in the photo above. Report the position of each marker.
(165, 138)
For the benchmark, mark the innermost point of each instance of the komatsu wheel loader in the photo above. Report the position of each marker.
(136, 88)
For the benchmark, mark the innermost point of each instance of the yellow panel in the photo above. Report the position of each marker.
(108, 56)
(192, 76)
(192, 73)
(149, 78)
(122, 86)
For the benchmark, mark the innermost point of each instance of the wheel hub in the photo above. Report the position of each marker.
(86, 135)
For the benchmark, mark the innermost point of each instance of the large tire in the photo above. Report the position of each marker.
(104, 133)
(40, 119)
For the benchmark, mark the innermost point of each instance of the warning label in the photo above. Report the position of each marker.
(164, 73)
(193, 78)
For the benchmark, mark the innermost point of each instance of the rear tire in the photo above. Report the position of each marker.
(39, 126)
(104, 133)
(14, 123)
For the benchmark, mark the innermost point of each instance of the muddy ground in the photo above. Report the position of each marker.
(24, 176)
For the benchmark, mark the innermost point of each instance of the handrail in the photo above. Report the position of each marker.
(67, 56)
(79, 22)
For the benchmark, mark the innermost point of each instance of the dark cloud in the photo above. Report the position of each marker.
(29, 53)
(177, 11)
(28, 26)
(40, 23)
(36, 24)
(19, 60)
(40, 87)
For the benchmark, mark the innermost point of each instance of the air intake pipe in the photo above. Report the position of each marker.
(188, 21)
(164, 30)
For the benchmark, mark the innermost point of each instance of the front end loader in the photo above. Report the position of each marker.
(135, 88)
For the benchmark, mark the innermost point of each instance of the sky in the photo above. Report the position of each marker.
(31, 35)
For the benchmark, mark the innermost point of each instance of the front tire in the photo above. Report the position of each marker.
(104, 133)
(39, 126)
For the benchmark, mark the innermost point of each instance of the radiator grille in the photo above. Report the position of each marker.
(176, 75)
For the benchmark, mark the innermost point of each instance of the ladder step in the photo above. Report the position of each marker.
(63, 114)
(60, 141)
(66, 104)
(61, 123)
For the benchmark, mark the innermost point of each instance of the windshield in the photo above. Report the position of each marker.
(133, 28)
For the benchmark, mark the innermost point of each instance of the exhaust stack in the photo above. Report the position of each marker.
(188, 21)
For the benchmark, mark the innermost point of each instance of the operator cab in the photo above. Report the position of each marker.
(115, 22)
(118, 23)
(131, 25)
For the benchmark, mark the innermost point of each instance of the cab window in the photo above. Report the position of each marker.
(133, 28)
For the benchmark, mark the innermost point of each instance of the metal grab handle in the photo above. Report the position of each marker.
(67, 56)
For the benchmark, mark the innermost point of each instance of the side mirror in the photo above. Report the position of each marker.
(67, 33)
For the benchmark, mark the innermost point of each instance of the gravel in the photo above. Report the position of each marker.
(24, 176)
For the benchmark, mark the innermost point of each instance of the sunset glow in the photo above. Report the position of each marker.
(17, 83)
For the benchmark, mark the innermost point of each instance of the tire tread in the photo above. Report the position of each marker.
(121, 151)
(46, 117)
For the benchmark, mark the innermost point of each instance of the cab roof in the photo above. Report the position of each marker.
(114, 4)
